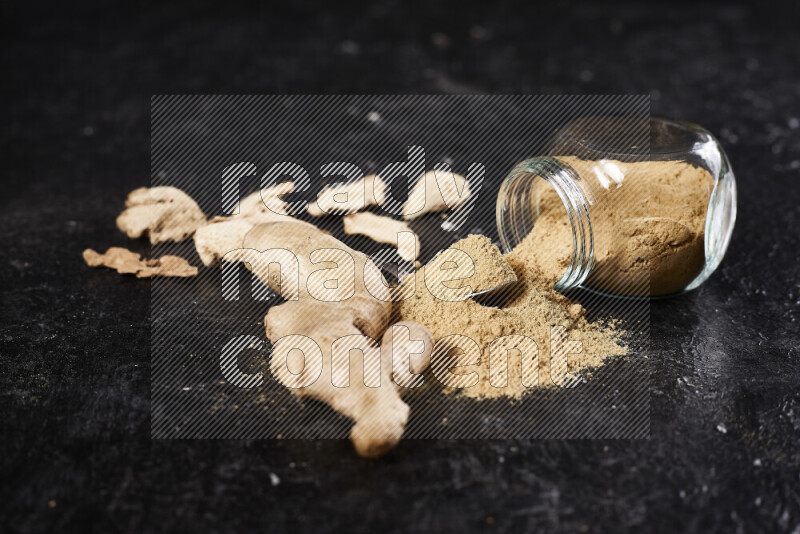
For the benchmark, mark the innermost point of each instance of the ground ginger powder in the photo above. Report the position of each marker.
(534, 309)
(648, 238)
(649, 230)
(491, 268)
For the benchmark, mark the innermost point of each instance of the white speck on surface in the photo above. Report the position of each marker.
(187, 388)
(757, 462)
(373, 116)
(350, 48)
(794, 123)
(682, 494)
(274, 479)
(722, 428)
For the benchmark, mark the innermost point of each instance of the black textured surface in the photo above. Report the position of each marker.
(76, 452)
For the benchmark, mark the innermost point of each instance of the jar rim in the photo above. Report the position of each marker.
(565, 182)
(632, 138)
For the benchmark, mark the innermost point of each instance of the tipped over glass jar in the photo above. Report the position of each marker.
(635, 207)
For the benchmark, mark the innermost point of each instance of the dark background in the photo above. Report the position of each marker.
(76, 453)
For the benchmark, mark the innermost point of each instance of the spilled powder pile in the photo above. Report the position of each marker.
(491, 268)
(532, 312)
(648, 227)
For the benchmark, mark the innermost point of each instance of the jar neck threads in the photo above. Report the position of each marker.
(520, 188)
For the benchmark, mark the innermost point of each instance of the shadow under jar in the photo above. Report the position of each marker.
(634, 207)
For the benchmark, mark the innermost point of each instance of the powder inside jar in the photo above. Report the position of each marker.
(648, 225)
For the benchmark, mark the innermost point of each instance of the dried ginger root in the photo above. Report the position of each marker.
(224, 234)
(164, 213)
(220, 236)
(360, 194)
(379, 414)
(266, 205)
(262, 223)
(125, 261)
(383, 230)
(436, 190)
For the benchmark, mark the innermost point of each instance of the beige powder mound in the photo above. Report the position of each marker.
(491, 269)
(532, 313)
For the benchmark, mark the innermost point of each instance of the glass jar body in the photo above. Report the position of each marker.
(635, 209)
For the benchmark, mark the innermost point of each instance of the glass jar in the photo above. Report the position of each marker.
(628, 206)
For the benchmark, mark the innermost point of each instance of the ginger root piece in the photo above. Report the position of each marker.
(383, 230)
(370, 314)
(224, 234)
(220, 236)
(436, 190)
(164, 213)
(266, 205)
(125, 261)
(379, 414)
(349, 198)
(393, 340)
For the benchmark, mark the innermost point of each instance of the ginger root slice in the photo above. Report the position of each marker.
(383, 230)
(349, 198)
(266, 205)
(300, 240)
(125, 261)
(379, 414)
(436, 190)
(220, 236)
(164, 213)
(224, 234)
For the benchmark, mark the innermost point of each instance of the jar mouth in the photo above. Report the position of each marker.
(518, 189)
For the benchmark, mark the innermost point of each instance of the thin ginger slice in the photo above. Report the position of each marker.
(163, 213)
(125, 261)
